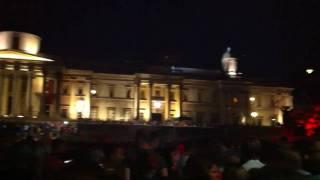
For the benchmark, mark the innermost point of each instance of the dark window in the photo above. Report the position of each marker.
(200, 96)
(129, 93)
(157, 93)
(80, 91)
(172, 97)
(184, 96)
(111, 92)
(65, 91)
(47, 110)
(142, 94)
(64, 113)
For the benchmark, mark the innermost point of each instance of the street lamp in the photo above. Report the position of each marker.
(254, 114)
(93, 92)
(309, 71)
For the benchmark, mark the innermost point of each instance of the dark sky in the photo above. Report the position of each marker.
(270, 37)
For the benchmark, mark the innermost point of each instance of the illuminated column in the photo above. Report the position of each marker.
(4, 94)
(149, 106)
(280, 116)
(167, 101)
(137, 99)
(16, 95)
(179, 102)
(1, 83)
(58, 94)
(28, 93)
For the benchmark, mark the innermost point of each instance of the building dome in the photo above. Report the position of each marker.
(20, 41)
(229, 63)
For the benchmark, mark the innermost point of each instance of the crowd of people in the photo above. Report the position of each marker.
(149, 158)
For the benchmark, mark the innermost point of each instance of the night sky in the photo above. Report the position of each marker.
(271, 38)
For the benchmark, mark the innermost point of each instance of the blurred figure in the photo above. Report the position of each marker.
(251, 154)
(114, 164)
(283, 164)
(144, 163)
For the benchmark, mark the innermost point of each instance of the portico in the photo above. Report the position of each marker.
(22, 76)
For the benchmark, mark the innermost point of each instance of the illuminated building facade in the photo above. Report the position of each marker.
(34, 87)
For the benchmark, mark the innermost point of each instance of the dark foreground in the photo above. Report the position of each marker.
(91, 151)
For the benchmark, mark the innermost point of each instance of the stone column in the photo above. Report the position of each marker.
(28, 94)
(179, 101)
(16, 93)
(167, 101)
(1, 88)
(4, 94)
(149, 108)
(58, 94)
(137, 99)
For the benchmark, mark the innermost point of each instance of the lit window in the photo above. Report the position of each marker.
(127, 114)
(111, 113)
(157, 104)
(94, 113)
(24, 68)
(9, 67)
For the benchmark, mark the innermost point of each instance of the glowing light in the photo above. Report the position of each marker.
(93, 91)
(9, 67)
(24, 68)
(21, 56)
(232, 73)
(34, 117)
(254, 114)
(65, 122)
(235, 100)
(80, 105)
(67, 161)
(157, 104)
(273, 119)
(252, 99)
(243, 120)
(20, 116)
(309, 71)
(5, 115)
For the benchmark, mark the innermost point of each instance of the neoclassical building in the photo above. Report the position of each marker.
(34, 86)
